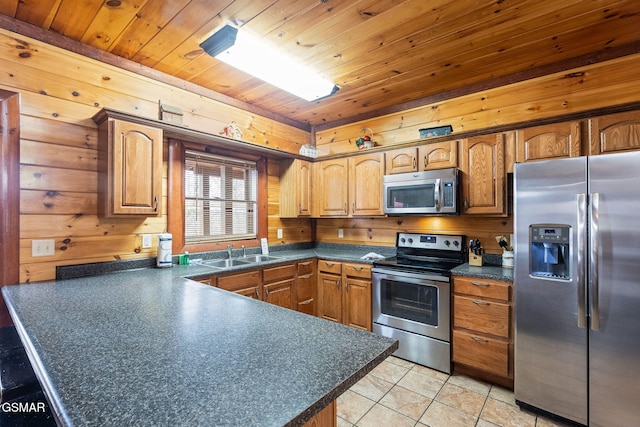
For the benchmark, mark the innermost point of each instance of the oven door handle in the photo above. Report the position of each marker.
(422, 276)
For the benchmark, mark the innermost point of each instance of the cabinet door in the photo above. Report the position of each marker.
(401, 160)
(365, 184)
(483, 175)
(357, 303)
(134, 170)
(330, 296)
(614, 133)
(332, 182)
(295, 188)
(554, 141)
(280, 293)
(438, 155)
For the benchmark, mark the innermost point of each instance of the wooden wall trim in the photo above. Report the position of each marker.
(60, 41)
(9, 194)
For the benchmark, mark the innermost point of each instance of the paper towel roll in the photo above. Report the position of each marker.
(164, 250)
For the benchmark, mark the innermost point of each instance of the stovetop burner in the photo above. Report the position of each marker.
(429, 252)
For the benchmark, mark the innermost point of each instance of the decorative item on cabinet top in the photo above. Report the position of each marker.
(436, 131)
(232, 130)
(365, 139)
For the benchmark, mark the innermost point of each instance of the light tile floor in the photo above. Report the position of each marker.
(398, 393)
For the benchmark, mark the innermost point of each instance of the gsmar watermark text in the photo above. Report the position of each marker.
(23, 407)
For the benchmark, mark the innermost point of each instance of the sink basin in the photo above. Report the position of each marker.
(225, 263)
(259, 258)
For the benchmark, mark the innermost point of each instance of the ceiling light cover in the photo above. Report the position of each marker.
(249, 54)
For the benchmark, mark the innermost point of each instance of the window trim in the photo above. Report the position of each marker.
(175, 197)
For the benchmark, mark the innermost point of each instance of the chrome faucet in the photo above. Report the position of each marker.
(244, 251)
(229, 250)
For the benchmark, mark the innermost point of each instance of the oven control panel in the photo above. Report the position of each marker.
(444, 242)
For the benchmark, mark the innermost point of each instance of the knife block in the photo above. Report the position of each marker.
(475, 260)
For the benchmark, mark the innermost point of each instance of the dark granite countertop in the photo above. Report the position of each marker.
(487, 271)
(148, 347)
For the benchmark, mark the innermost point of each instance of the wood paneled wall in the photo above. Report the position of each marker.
(592, 87)
(59, 93)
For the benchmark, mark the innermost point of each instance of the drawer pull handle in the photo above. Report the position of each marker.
(306, 302)
(355, 267)
(328, 264)
(306, 276)
(338, 283)
(480, 284)
(479, 339)
(305, 263)
(480, 302)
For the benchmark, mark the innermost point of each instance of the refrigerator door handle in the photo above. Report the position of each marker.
(581, 236)
(594, 285)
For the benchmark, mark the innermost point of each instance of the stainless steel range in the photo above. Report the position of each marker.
(412, 296)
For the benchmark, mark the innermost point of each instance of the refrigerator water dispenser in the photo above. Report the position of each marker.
(549, 254)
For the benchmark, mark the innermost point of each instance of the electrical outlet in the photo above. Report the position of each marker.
(146, 241)
(279, 233)
(43, 247)
(340, 233)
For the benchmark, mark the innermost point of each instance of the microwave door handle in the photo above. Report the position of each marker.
(437, 194)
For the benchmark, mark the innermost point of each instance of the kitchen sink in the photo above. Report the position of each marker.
(225, 263)
(260, 258)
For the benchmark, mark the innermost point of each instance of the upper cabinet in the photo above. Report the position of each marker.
(130, 168)
(350, 186)
(295, 188)
(546, 142)
(614, 133)
(437, 155)
(483, 175)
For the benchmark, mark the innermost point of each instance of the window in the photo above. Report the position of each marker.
(215, 197)
(220, 198)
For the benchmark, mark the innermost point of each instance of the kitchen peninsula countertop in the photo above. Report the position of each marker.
(148, 347)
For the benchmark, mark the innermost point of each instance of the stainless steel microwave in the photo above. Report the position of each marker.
(428, 193)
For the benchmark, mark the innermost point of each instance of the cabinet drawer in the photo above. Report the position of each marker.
(306, 286)
(330, 266)
(485, 288)
(206, 280)
(234, 282)
(280, 272)
(357, 270)
(478, 351)
(305, 267)
(482, 316)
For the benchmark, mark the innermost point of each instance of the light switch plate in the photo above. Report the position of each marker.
(340, 233)
(279, 233)
(43, 247)
(146, 241)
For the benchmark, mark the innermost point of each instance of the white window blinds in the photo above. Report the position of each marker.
(220, 198)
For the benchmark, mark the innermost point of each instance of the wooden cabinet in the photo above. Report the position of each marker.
(247, 283)
(357, 295)
(554, 141)
(437, 155)
(328, 417)
(483, 327)
(330, 290)
(129, 168)
(279, 285)
(307, 277)
(295, 188)
(614, 133)
(483, 175)
(344, 293)
(350, 186)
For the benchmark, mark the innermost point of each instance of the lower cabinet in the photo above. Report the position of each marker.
(483, 328)
(247, 283)
(307, 295)
(279, 285)
(344, 293)
(328, 417)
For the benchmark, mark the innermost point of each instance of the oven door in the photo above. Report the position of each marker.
(411, 301)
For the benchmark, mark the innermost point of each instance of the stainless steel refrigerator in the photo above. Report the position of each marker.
(577, 288)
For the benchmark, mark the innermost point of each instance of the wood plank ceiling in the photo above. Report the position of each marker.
(383, 54)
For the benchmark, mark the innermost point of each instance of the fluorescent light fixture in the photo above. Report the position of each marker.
(249, 54)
